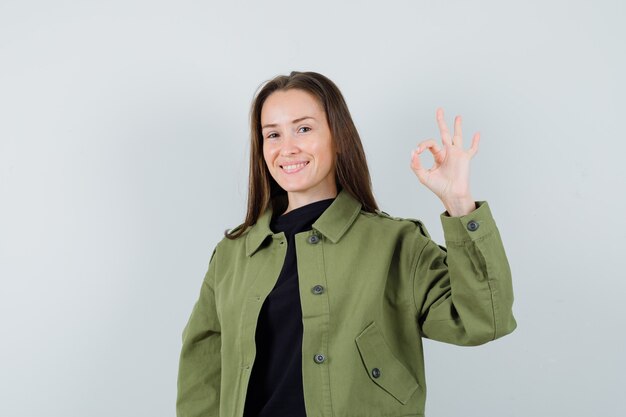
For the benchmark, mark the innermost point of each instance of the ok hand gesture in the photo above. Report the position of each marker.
(448, 178)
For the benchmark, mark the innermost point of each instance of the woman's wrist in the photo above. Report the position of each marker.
(459, 206)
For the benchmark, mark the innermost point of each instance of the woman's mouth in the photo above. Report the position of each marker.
(293, 168)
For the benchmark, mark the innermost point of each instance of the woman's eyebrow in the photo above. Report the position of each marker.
(298, 120)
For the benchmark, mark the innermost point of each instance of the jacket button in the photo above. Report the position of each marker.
(375, 372)
(472, 225)
(313, 239)
(319, 358)
(318, 289)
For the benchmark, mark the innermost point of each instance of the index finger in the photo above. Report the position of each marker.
(445, 133)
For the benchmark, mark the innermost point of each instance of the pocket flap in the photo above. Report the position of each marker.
(391, 374)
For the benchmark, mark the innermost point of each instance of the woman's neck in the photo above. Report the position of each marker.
(297, 200)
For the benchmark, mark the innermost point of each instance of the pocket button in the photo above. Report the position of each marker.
(375, 372)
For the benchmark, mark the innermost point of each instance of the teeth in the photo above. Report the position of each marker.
(292, 167)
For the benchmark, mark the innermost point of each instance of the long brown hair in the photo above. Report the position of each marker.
(351, 172)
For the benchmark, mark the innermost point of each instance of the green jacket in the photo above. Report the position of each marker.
(371, 286)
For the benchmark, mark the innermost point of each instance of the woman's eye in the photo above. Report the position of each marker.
(304, 127)
(271, 136)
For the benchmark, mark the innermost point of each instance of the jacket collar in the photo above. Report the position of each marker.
(333, 223)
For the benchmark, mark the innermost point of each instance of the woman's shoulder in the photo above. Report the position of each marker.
(236, 229)
(238, 241)
(388, 221)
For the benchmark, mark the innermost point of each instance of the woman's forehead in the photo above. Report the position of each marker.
(290, 105)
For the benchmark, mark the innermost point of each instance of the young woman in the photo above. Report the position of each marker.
(316, 305)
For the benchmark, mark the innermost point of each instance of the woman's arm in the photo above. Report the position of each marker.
(463, 292)
(199, 371)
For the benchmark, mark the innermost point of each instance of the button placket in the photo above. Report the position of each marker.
(315, 308)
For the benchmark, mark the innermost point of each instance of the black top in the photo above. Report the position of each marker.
(275, 387)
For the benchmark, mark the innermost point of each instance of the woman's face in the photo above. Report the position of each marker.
(297, 146)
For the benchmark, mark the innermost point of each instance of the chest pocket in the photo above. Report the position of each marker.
(383, 367)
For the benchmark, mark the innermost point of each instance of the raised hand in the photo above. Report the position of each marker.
(448, 178)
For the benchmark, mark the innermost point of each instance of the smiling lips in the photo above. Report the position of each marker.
(293, 168)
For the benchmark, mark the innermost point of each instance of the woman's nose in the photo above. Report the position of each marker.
(289, 145)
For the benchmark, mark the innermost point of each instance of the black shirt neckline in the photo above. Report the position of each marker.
(307, 208)
(300, 217)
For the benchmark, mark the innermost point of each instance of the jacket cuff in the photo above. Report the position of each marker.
(469, 227)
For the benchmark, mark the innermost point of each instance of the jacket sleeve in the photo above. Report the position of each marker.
(463, 293)
(199, 370)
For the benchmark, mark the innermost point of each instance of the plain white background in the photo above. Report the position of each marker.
(123, 157)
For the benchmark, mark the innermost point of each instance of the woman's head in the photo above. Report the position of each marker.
(298, 148)
(312, 92)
